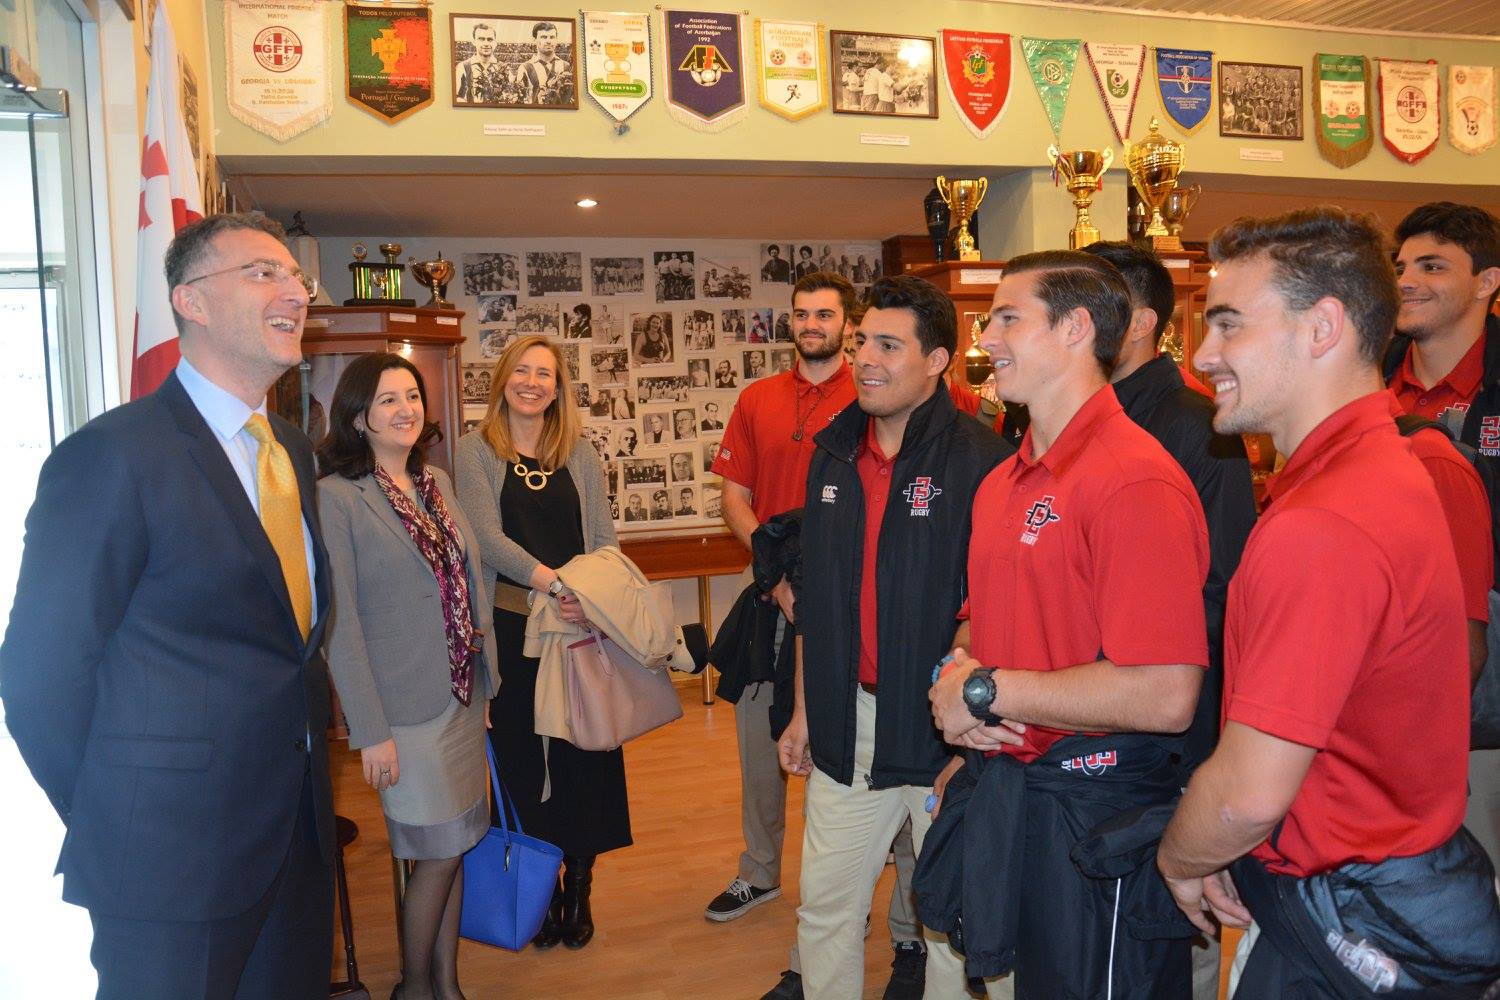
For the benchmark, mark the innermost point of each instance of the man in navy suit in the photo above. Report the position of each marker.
(161, 673)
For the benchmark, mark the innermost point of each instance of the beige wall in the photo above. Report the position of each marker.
(765, 141)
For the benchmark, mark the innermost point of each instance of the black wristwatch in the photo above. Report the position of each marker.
(979, 695)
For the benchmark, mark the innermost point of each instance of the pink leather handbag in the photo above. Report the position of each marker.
(611, 697)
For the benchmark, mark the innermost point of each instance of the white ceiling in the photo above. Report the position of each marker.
(1464, 18)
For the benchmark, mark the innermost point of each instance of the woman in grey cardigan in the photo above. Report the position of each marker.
(408, 647)
(535, 491)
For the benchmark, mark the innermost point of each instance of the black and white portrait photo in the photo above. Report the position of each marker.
(674, 275)
(617, 276)
(680, 463)
(578, 321)
(710, 452)
(755, 365)
(651, 338)
(684, 424)
(476, 387)
(776, 263)
(505, 61)
(612, 402)
(538, 317)
(896, 74)
(609, 365)
(608, 325)
(782, 360)
(1260, 101)
(732, 325)
(698, 376)
(491, 272)
(698, 329)
(724, 278)
(497, 308)
(725, 376)
(553, 272)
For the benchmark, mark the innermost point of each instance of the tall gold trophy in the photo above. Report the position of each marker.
(963, 198)
(1153, 165)
(1082, 170)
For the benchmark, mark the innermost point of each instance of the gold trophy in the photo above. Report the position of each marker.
(963, 197)
(1179, 203)
(434, 276)
(1082, 169)
(1153, 165)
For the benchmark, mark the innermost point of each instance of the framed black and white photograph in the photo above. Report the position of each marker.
(651, 338)
(644, 471)
(609, 366)
(712, 414)
(860, 262)
(754, 364)
(684, 424)
(626, 441)
(608, 325)
(726, 374)
(776, 263)
(661, 505)
(710, 453)
(491, 272)
(617, 276)
(1260, 101)
(656, 429)
(570, 358)
(578, 321)
(509, 61)
(582, 398)
(662, 388)
(471, 423)
(539, 317)
(636, 506)
(699, 376)
(782, 332)
(497, 308)
(680, 464)
(598, 437)
(732, 326)
(896, 74)
(476, 387)
(611, 402)
(684, 501)
(554, 272)
(493, 340)
(782, 360)
(699, 329)
(725, 278)
(713, 500)
(674, 275)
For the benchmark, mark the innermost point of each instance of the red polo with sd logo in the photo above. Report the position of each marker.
(768, 444)
(1345, 633)
(1097, 548)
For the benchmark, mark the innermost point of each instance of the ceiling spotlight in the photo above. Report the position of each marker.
(586, 203)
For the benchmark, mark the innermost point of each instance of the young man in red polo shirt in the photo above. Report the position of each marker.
(1336, 793)
(1444, 365)
(1086, 636)
(883, 540)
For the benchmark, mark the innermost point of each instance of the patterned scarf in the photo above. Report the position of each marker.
(437, 539)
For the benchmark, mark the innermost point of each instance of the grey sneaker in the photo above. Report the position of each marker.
(740, 898)
(790, 988)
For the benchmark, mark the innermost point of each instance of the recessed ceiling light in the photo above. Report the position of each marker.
(586, 203)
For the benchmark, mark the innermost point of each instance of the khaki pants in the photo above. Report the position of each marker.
(849, 829)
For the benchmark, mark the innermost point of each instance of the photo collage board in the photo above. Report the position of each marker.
(659, 337)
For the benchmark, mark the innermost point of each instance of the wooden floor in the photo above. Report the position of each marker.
(652, 941)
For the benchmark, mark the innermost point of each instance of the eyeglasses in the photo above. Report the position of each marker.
(267, 272)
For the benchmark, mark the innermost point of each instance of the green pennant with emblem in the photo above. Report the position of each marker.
(1051, 62)
(1341, 103)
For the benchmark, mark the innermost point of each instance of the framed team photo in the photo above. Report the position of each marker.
(1260, 101)
(876, 74)
(510, 61)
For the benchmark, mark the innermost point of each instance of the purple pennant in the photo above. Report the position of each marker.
(704, 67)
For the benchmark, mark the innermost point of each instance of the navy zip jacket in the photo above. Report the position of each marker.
(920, 574)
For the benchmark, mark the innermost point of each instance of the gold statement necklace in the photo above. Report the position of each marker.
(535, 479)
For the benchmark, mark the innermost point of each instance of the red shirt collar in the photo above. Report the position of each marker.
(1343, 425)
(1463, 381)
(870, 446)
(1076, 435)
(840, 375)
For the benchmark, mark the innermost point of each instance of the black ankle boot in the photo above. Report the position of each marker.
(552, 924)
(578, 918)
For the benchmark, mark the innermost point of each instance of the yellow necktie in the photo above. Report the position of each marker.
(281, 516)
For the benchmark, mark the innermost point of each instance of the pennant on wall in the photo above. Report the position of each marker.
(789, 66)
(1185, 82)
(1410, 115)
(1117, 71)
(617, 63)
(1471, 108)
(1341, 103)
(276, 72)
(705, 68)
(1051, 62)
(388, 59)
(976, 72)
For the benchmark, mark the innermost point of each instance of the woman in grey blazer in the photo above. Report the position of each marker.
(536, 492)
(408, 648)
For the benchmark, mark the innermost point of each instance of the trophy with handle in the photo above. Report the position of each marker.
(434, 276)
(1180, 201)
(1082, 170)
(963, 197)
(1153, 165)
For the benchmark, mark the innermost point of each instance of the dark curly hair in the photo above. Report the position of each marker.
(937, 322)
(344, 449)
(1323, 252)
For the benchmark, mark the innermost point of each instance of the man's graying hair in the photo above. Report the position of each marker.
(192, 245)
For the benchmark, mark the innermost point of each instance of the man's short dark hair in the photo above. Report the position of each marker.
(1149, 280)
(773, 249)
(1323, 252)
(542, 26)
(190, 248)
(1466, 226)
(937, 322)
(819, 280)
(1073, 279)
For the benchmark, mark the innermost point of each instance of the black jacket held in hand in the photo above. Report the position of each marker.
(919, 577)
(1155, 397)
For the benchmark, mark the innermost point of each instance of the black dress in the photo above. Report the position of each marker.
(588, 811)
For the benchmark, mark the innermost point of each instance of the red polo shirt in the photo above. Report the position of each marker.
(1466, 509)
(1455, 389)
(1098, 547)
(1345, 633)
(875, 479)
(760, 450)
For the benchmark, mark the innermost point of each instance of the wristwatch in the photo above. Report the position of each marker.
(979, 695)
(555, 588)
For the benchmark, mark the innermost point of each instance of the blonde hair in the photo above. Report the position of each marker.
(560, 425)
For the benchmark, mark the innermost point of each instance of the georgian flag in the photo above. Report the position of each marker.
(170, 199)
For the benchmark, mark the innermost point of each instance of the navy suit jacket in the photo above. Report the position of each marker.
(153, 674)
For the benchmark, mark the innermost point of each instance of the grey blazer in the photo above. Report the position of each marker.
(481, 476)
(387, 649)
